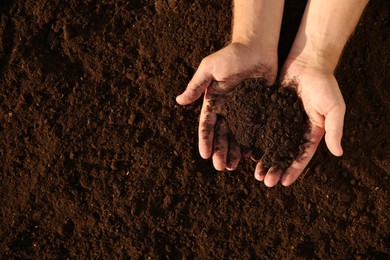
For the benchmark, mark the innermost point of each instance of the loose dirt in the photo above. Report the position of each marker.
(97, 161)
(268, 121)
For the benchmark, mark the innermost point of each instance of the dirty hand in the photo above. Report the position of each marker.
(325, 107)
(217, 75)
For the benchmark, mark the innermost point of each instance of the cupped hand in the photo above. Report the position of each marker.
(217, 75)
(325, 107)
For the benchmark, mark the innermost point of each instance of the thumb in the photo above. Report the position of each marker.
(199, 82)
(334, 123)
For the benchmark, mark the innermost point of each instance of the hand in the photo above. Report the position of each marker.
(217, 75)
(325, 107)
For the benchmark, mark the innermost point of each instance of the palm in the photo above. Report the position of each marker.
(325, 107)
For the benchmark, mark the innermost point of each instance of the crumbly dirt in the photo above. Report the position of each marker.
(268, 121)
(97, 161)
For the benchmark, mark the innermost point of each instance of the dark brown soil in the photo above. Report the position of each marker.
(97, 161)
(270, 122)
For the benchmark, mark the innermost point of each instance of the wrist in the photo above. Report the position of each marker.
(300, 65)
(256, 60)
(320, 58)
(259, 39)
(257, 48)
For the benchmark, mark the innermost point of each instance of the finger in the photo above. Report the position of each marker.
(334, 123)
(199, 82)
(234, 155)
(220, 149)
(207, 121)
(259, 173)
(292, 173)
(272, 177)
(212, 106)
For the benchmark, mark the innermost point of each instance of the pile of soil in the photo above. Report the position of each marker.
(97, 161)
(269, 122)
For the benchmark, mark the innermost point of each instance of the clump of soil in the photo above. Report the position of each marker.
(268, 121)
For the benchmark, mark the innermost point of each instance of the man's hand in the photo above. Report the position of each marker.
(324, 30)
(252, 53)
(325, 107)
(217, 75)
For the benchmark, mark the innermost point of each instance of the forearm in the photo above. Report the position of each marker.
(258, 21)
(324, 31)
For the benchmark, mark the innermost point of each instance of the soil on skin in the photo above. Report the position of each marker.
(97, 161)
(270, 122)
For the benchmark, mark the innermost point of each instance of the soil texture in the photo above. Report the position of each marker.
(268, 121)
(97, 161)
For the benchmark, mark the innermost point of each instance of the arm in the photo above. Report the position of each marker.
(258, 23)
(255, 36)
(324, 30)
(252, 53)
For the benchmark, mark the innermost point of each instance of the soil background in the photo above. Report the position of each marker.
(97, 160)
